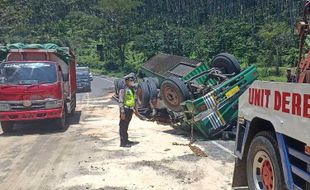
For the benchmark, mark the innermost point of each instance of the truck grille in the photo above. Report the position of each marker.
(21, 107)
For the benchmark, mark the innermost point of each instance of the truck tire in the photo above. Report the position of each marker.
(264, 170)
(227, 63)
(153, 80)
(118, 85)
(7, 127)
(143, 94)
(173, 92)
(152, 88)
(115, 86)
(61, 123)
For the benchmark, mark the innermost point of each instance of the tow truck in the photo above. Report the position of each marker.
(273, 132)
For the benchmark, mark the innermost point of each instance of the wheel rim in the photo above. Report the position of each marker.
(263, 171)
(172, 96)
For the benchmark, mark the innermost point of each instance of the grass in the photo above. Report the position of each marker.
(95, 71)
(269, 74)
(274, 78)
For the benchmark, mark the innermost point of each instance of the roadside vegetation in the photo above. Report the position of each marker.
(116, 36)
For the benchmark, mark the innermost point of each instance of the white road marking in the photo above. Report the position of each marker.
(92, 101)
(240, 188)
(106, 80)
(223, 148)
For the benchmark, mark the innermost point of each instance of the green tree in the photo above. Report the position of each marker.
(132, 31)
(276, 40)
(117, 34)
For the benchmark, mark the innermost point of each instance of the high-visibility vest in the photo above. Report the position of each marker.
(129, 98)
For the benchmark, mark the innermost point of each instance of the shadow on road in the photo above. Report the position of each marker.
(177, 130)
(41, 127)
(75, 119)
(217, 148)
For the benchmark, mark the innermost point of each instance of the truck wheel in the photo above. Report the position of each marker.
(153, 80)
(152, 88)
(115, 86)
(7, 126)
(143, 94)
(174, 91)
(61, 123)
(227, 63)
(263, 163)
(118, 84)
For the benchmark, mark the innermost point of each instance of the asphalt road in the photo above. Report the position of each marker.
(217, 148)
(33, 151)
(87, 154)
(100, 85)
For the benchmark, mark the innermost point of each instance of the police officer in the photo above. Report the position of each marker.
(127, 103)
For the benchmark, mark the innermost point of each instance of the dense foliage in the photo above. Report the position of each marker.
(131, 31)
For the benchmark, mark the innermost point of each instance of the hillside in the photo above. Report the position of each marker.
(131, 31)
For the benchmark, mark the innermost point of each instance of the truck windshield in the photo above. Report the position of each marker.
(27, 73)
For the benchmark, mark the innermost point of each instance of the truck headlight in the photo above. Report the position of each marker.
(4, 107)
(53, 104)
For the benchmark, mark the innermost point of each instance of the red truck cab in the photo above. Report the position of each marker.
(36, 84)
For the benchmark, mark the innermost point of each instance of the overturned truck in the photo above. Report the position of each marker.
(192, 93)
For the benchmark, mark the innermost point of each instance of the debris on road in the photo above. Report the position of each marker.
(88, 155)
(196, 150)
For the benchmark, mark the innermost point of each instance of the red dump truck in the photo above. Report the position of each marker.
(37, 82)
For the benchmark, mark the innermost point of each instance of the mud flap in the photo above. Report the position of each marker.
(240, 177)
(69, 107)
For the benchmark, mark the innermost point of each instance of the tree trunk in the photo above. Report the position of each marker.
(277, 62)
(122, 54)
